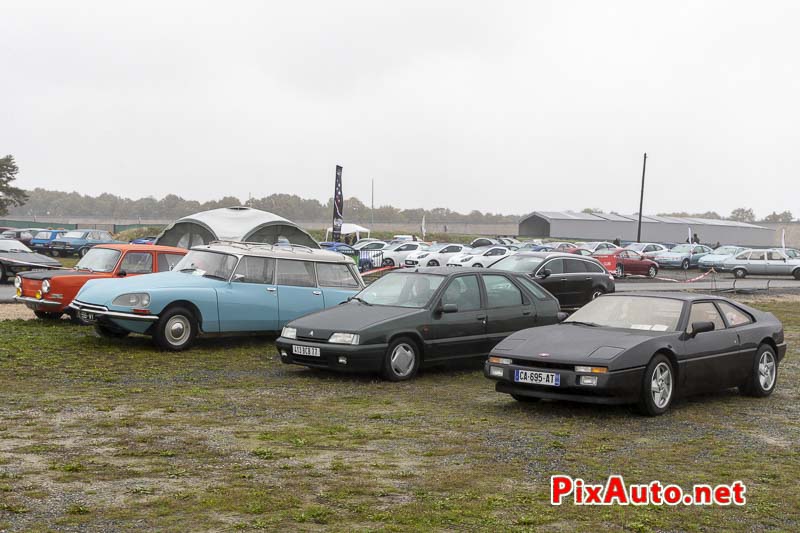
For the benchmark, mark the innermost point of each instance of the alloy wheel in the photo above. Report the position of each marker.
(766, 370)
(661, 385)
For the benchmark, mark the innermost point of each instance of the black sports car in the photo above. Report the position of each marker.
(646, 349)
(16, 257)
(415, 317)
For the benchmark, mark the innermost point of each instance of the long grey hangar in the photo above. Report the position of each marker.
(646, 349)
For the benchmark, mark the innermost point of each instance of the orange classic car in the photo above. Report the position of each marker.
(48, 293)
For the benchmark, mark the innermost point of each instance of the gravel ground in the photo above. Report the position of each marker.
(15, 312)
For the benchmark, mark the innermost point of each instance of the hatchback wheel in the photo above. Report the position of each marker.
(54, 253)
(433, 263)
(176, 329)
(658, 386)
(764, 376)
(402, 360)
(739, 273)
(597, 291)
(652, 272)
(388, 262)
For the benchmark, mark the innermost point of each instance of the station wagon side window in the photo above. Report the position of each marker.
(464, 292)
(167, 262)
(501, 292)
(706, 312)
(137, 263)
(555, 266)
(734, 316)
(533, 287)
(743, 256)
(758, 256)
(774, 255)
(296, 273)
(593, 267)
(574, 266)
(256, 270)
(336, 275)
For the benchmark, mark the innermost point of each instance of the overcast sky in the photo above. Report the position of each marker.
(498, 106)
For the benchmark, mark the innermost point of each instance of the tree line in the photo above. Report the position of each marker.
(43, 202)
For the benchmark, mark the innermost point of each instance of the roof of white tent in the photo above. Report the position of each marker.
(348, 229)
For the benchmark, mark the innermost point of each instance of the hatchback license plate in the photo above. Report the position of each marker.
(537, 378)
(87, 317)
(309, 351)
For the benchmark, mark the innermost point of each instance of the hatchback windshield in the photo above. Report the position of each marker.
(99, 260)
(74, 234)
(630, 312)
(726, 250)
(526, 264)
(683, 249)
(208, 264)
(401, 290)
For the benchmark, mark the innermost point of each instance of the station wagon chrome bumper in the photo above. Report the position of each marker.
(99, 310)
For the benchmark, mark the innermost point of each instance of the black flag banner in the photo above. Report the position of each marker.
(338, 206)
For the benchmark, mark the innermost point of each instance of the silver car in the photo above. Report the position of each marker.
(771, 262)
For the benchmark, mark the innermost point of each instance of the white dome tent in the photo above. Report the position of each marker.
(243, 224)
(349, 229)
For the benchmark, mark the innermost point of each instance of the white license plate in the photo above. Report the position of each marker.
(87, 317)
(535, 377)
(309, 351)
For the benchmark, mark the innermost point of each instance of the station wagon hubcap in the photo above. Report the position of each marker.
(177, 330)
(766, 370)
(661, 385)
(402, 360)
(652, 272)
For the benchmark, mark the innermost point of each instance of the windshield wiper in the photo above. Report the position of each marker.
(214, 276)
(359, 299)
(590, 324)
(190, 269)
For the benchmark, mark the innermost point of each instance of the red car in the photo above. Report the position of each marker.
(48, 293)
(623, 262)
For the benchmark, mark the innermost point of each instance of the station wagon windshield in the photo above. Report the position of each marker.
(519, 263)
(99, 260)
(630, 312)
(401, 290)
(207, 264)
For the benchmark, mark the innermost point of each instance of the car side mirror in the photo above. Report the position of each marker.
(237, 278)
(544, 274)
(447, 308)
(701, 327)
(122, 273)
(562, 316)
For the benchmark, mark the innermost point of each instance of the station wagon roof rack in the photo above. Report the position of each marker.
(287, 251)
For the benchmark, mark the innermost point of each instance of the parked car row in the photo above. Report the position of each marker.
(643, 349)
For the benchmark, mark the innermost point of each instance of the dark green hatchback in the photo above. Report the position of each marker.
(410, 318)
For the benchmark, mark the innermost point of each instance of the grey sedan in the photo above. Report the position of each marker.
(772, 262)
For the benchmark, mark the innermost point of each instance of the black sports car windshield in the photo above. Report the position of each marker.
(207, 264)
(630, 312)
(99, 260)
(402, 290)
(519, 263)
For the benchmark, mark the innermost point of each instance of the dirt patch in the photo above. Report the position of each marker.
(15, 312)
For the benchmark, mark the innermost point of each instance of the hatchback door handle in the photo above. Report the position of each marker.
(271, 289)
(316, 293)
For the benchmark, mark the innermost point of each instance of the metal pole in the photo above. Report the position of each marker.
(641, 201)
(372, 205)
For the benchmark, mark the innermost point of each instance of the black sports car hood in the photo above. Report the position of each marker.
(28, 257)
(350, 317)
(569, 343)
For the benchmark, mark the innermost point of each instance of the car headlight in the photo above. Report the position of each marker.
(289, 333)
(591, 369)
(423, 256)
(500, 360)
(344, 338)
(468, 258)
(132, 299)
(18, 282)
(46, 286)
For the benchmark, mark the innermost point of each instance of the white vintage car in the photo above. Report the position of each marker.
(436, 255)
(482, 257)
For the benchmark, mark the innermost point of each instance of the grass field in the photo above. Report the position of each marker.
(101, 435)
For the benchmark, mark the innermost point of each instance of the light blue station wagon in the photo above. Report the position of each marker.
(220, 288)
